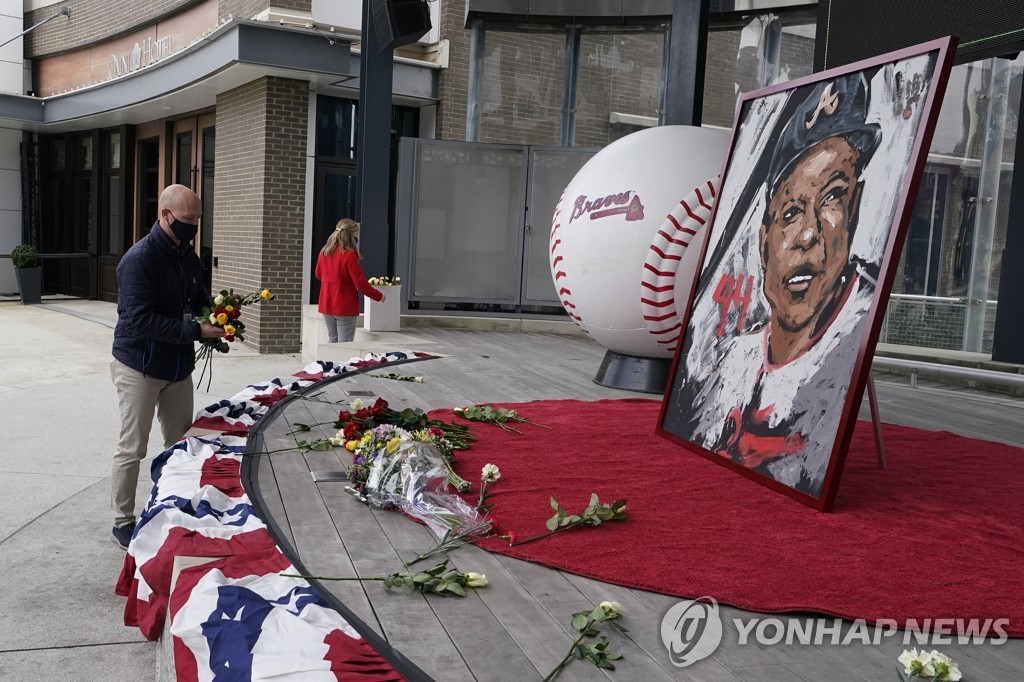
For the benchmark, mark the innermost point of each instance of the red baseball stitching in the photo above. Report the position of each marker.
(658, 279)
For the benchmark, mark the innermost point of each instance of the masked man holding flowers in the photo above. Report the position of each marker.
(160, 290)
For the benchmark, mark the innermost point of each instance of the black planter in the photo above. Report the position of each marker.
(30, 284)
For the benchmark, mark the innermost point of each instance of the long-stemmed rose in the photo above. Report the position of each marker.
(595, 514)
(489, 474)
(436, 580)
(585, 623)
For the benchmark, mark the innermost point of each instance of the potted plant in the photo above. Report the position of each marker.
(384, 316)
(30, 274)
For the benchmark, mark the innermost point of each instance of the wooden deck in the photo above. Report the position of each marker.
(517, 628)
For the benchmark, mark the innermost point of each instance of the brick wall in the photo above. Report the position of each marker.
(92, 21)
(454, 81)
(241, 9)
(247, 9)
(261, 185)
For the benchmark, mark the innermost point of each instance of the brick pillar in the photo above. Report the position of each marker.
(259, 203)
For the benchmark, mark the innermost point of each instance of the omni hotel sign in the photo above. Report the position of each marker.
(142, 54)
(145, 46)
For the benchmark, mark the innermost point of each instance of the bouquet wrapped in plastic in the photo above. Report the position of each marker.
(397, 469)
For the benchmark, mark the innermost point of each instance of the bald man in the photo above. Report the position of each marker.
(160, 290)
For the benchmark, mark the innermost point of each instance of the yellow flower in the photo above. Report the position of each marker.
(229, 330)
(265, 294)
(229, 308)
(393, 444)
(222, 318)
(351, 446)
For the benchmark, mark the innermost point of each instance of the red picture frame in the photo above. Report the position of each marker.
(802, 248)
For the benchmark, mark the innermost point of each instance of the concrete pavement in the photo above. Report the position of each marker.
(59, 616)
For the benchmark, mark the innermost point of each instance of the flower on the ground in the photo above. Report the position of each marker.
(436, 580)
(491, 415)
(585, 623)
(372, 427)
(595, 514)
(916, 663)
(455, 538)
(476, 579)
(934, 666)
(490, 473)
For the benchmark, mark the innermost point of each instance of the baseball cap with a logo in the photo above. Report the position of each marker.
(833, 108)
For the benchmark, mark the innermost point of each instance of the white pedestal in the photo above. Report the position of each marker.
(384, 316)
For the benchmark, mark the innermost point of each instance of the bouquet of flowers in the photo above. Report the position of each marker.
(225, 311)
(385, 281)
(393, 467)
(361, 433)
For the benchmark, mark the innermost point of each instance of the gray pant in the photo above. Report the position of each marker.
(138, 398)
(340, 328)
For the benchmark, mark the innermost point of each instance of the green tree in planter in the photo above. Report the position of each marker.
(25, 256)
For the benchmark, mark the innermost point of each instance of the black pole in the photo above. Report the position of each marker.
(373, 149)
(1008, 336)
(688, 45)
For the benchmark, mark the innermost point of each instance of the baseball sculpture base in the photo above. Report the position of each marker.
(634, 373)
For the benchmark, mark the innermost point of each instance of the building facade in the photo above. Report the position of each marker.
(255, 105)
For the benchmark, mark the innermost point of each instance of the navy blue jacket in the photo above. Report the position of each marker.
(157, 285)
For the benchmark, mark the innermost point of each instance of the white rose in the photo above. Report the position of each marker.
(338, 439)
(943, 667)
(611, 608)
(490, 473)
(218, 300)
(357, 404)
(213, 319)
(918, 662)
(476, 579)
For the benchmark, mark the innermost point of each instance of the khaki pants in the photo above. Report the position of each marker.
(138, 398)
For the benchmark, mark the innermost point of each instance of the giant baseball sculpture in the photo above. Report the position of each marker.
(627, 233)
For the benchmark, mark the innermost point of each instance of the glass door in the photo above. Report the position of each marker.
(334, 199)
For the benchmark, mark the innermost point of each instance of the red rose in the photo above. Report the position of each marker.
(494, 523)
(363, 413)
(235, 314)
(229, 338)
(436, 432)
(344, 416)
(351, 430)
(380, 404)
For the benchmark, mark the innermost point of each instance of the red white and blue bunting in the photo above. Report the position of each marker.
(235, 617)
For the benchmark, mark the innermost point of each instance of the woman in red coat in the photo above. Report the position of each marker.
(337, 268)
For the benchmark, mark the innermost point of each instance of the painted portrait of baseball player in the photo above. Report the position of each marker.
(810, 197)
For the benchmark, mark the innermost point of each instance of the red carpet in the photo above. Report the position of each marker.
(939, 534)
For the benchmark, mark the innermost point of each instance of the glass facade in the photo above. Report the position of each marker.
(945, 291)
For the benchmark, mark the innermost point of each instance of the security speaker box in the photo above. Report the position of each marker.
(400, 22)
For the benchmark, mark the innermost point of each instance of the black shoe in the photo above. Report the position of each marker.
(122, 535)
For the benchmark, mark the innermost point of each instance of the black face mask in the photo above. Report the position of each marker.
(183, 232)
